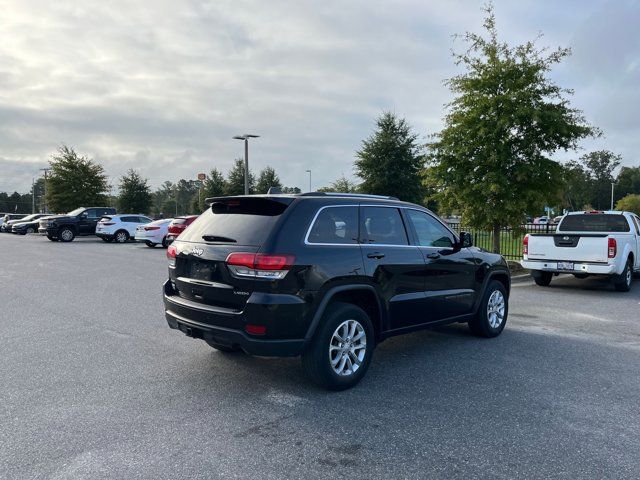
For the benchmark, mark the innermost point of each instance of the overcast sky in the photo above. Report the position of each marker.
(162, 86)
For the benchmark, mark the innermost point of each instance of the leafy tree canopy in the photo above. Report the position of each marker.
(492, 159)
(235, 179)
(630, 203)
(341, 185)
(74, 181)
(135, 193)
(389, 162)
(268, 178)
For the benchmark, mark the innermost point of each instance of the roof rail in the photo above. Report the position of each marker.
(355, 195)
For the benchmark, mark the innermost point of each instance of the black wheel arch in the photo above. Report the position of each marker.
(499, 274)
(358, 294)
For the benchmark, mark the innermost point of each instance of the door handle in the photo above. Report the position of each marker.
(376, 255)
(433, 255)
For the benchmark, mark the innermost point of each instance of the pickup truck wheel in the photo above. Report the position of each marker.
(67, 234)
(121, 236)
(543, 278)
(223, 348)
(623, 283)
(340, 352)
(492, 313)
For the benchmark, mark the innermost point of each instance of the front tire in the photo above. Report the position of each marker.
(341, 349)
(66, 234)
(624, 281)
(29, 230)
(543, 279)
(492, 313)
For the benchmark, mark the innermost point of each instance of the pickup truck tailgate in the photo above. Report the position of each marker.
(571, 247)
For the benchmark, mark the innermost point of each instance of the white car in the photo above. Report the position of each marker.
(120, 228)
(586, 243)
(154, 233)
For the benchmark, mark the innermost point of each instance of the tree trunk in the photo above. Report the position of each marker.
(496, 238)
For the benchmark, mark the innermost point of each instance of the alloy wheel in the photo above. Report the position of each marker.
(495, 309)
(348, 347)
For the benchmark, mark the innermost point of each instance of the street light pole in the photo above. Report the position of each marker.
(612, 184)
(45, 170)
(309, 172)
(246, 138)
(33, 195)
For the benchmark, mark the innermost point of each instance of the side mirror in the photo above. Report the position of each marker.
(466, 240)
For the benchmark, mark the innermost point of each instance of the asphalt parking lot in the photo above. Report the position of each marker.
(94, 385)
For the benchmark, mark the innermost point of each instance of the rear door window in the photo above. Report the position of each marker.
(383, 226)
(594, 222)
(335, 226)
(241, 221)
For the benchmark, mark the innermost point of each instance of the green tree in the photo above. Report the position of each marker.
(160, 199)
(630, 203)
(235, 179)
(578, 192)
(601, 165)
(492, 159)
(268, 178)
(74, 181)
(628, 181)
(135, 193)
(215, 185)
(293, 190)
(341, 185)
(389, 162)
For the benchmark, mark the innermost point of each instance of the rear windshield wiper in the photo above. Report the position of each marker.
(217, 238)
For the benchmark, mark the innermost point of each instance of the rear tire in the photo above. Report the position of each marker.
(121, 236)
(341, 349)
(492, 313)
(223, 348)
(624, 281)
(66, 234)
(543, 279)
(164, 242)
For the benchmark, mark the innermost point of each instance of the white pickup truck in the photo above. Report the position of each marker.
(584, 244)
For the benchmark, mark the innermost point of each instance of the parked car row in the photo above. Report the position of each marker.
(102, 222)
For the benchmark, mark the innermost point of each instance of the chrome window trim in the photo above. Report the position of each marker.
(399, 207)
(315, 217)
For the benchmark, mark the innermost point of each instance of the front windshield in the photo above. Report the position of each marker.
(75, 212)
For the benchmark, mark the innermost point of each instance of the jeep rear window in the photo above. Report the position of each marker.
(594, 222)
(241, 221)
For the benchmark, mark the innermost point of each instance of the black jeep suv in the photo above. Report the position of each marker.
(327, 276)
(81, 221)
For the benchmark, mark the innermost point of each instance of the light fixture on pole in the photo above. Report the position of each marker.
(309, 172)
(246, 138)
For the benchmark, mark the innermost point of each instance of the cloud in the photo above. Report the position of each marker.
(162, 86)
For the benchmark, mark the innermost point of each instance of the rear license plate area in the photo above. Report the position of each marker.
(565, 265)
(201, 270)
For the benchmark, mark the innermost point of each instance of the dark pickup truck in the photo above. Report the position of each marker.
(81, 221)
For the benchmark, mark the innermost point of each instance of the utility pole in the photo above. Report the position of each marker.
(45, 207)
(33, 195)
(246, 138)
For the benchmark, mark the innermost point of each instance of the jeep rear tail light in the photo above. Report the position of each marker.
(613, 248)
(525, 245)
(172, 251)
(259, 265)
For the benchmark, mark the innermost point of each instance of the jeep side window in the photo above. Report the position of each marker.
(335, 225)
(91, 214)
(383, 225)
(429, 231)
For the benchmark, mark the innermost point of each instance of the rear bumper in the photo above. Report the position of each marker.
(580, 268)
(227, 326)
